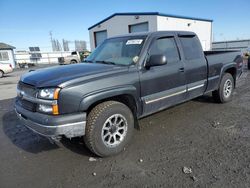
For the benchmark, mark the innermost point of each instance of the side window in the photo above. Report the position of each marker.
(191, 47)
(4, 56)
(166, 46)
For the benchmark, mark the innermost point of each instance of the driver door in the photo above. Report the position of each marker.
(165, 85)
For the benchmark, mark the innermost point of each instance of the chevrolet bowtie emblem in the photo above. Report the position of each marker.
(21, 94)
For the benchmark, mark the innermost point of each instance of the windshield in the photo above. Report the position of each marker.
(118, 51)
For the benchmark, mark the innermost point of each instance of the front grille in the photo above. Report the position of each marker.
(26, 104)
(27, 90)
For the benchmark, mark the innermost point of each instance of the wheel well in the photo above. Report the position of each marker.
(126, 99)
(232, 71)
(73, 60)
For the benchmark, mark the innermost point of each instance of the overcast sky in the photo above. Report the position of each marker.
(25, 23)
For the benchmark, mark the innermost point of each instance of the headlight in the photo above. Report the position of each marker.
(45, 108)
(48, 109)
(48, 93)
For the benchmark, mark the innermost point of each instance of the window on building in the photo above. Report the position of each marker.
(4, 56)
(166, 46)
(141, 27)
(100, 36)
(191, 47)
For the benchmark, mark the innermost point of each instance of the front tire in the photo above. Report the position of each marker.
(225, 92)
(109, 128)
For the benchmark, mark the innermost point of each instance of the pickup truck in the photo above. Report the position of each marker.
(75, 57)
(126, 78)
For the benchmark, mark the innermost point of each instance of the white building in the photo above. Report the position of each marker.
(7, 54)
(124, 23)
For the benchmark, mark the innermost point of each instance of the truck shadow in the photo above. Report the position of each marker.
(205, 99)
(77, 145)
(22, 137)
(31, 142)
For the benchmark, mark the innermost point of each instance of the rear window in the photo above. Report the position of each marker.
(191, 47)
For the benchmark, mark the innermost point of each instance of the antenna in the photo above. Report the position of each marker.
(51, 40)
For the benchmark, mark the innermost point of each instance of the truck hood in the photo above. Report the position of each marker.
(68, 74)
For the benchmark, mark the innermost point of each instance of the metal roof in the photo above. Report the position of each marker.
(231, 41)
(148, 14)
(4, 46)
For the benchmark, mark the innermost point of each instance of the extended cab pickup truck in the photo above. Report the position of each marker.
(124, 79)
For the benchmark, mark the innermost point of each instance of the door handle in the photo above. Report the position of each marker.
(182, 69)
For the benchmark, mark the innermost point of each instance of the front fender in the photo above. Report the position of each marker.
(94, 97)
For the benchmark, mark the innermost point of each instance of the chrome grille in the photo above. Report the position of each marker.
(27, 89)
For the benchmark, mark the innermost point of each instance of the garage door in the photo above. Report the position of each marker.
(142, 27)
(100, 36)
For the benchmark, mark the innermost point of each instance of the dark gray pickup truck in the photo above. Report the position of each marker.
(124, 79)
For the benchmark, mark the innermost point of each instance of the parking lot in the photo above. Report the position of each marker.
(211, 139)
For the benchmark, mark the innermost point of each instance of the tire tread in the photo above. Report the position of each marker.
(91, 119)
(217, 93)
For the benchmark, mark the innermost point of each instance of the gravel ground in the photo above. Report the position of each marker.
(196, 144)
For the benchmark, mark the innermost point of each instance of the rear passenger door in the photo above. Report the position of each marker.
(165, 85)
(195, 65)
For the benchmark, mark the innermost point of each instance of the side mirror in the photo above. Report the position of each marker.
(156, 60)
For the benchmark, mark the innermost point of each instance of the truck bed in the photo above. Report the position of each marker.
(219, 58)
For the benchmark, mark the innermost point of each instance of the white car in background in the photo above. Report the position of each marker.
(5, 68)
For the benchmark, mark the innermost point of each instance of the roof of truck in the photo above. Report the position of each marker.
(154, 33)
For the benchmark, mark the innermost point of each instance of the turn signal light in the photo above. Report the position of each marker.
(55, 110)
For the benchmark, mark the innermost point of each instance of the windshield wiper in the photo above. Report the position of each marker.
(106, 62)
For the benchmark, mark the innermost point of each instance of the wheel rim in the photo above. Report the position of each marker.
(228, 87)
(114, 130)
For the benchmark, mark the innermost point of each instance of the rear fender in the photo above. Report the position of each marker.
(227, 67)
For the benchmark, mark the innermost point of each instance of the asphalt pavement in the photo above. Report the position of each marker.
(195, 144)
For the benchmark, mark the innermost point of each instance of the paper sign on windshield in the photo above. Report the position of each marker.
(135, 41)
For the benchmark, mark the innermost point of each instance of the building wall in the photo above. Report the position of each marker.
(11, 57)
(203, 29)
(118, 25)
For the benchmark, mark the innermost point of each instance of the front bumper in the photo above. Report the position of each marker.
(70, 125)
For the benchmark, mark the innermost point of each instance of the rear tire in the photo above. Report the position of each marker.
(1, 73)
(225, 92)
(109, 128)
